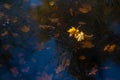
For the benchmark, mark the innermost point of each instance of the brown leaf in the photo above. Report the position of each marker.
(85, 8)
(82, 23)
(7, 6)
(71, 11)
(1, 14)
(87, 44)
(110, 48)
(5, 33)
(82, 57)
(25, 29)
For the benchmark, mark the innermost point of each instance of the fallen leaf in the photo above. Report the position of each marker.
(1, 14)
(54, 20)
(7, 6)
(25, 29)
(72, 31)
(85, 8)
(5, 33)
(71, 11)
(82, 23)
(93, 71)
(110, 48)
(14, 20)
(87, 44)
(82, 57)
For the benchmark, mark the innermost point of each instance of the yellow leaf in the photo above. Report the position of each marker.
(72, 31)
(80, 36)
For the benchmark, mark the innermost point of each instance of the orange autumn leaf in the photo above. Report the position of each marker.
(110, 48)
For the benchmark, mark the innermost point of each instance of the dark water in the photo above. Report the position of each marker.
(33, 48)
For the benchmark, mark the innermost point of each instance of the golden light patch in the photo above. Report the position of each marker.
(51, 3)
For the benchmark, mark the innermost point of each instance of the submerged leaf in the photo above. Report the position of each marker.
(110, 48)
(85, 8)
(7, 6)
(82, 57)
(25, 29)
(87, 44)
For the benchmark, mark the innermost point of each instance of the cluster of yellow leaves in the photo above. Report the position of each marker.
(110, 48)
(79, 35)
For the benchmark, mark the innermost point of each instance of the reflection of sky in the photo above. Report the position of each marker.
(30, 58)
(114, 71)
(35, 2)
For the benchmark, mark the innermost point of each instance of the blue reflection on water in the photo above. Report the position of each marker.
(32, 62)
(113, 72)
(35, 2)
